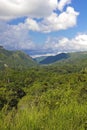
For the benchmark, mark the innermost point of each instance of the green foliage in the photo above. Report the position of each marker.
(52, 59)
(44, 98)
(15, 59)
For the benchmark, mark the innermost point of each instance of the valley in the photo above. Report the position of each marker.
(43, 97)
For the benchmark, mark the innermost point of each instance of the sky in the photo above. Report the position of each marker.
(43, 27)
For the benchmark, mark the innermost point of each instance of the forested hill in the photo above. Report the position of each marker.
(70, 58)
(15, 59)
(52, 59)
(48, 97)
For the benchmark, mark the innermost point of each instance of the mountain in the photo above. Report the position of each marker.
(75, 58)
(18, 59)
(39, 59)
(52, 59)
(64, 58)
(15, 59)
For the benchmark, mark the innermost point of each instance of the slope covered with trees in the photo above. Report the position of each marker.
(74, 57)
(44, 98)
(52, 59)
(15, 59)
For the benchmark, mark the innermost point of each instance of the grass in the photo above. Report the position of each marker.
(53, 101)
(66, 117)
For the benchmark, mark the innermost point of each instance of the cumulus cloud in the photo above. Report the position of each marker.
(51, 21)
(54, 22)
(15, 37)
(41, 15)
(32, 24)
(60, 22)
(35, 8)
(54, 46)
(17, 8)
(62, 3)
(78, 43)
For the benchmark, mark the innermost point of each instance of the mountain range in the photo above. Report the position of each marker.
(53, 59)
(19, 59)
(70, 58)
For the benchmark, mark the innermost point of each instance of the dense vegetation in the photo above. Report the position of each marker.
(15, 59)
(74, 57)
(44, 98)
(49, 97)
(52, 59)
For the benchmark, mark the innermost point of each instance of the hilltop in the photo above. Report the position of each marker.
(15, 59)
(64, 58)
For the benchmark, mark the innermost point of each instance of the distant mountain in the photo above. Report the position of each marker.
(70, 58)
(39, 59)
(52, 59)
(76, 58)
(15, 59)
(18, 59)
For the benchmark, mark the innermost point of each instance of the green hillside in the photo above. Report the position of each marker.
(52, 59)
(74, 58)
(39, 59)
(45, 97)
(15, 59)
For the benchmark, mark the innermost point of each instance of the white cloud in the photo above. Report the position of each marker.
(78, 43)
(43, 55)
(17, 8)
(15, 37)
(35, 8)
(51, 21)
(81, 39)
(62, 3)
(32, 24)
(63, 21)
(54, 46)
(54, 22)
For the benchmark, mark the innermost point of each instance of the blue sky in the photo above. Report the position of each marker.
(51, 26)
